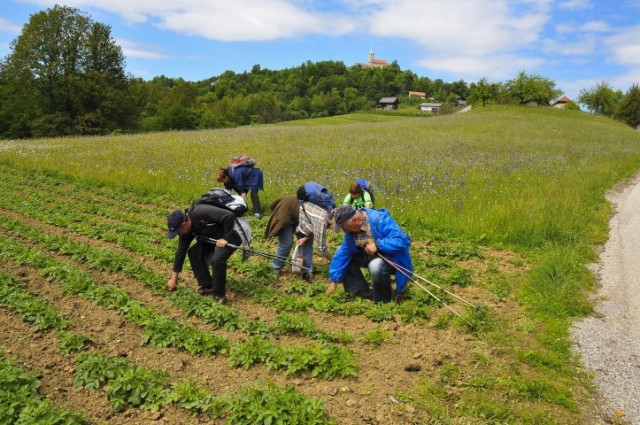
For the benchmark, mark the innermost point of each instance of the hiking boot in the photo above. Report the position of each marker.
(205, 290)
(308, 277)
(220, 300)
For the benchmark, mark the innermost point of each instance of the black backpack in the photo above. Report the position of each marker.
(223, 198)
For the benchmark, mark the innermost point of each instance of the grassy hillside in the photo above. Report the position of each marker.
(503, 206)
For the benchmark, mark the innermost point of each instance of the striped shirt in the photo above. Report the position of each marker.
(364, 236)
(313, 222)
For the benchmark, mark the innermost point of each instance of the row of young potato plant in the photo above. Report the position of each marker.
(60, 213)
(415, 307)
(21, 404)
(329, 361)
(134, 385)
(117, 198)
(191, 303)
(41, 314)
(85, 202)
(255, 275)
(110, 205)
(128, 384)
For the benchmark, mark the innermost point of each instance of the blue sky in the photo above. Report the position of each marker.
(576, 43)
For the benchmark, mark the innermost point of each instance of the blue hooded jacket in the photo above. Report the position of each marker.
(391, 241)
(245, 178)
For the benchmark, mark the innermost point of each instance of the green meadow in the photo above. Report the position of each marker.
(514, 181)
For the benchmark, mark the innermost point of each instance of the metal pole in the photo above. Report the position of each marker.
(259, 253)
(405, 272)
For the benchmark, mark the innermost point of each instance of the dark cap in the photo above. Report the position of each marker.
(341, 215)
(174, 222)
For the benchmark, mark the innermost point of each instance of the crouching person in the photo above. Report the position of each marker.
(369, 235)
(202, 222)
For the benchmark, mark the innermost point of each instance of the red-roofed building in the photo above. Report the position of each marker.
(420, 94)
(560, 103)
(374, 63)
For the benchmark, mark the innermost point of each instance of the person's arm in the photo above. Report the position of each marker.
(366, 197)
(347, 200)
(181, 252)
(389, 237)
(173, 281)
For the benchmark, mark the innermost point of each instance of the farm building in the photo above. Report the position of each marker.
(419, 94)
(430, 107)
(561, 103)
(388, 103)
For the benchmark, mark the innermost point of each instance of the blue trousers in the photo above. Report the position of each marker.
(356, 284)
(285, 243)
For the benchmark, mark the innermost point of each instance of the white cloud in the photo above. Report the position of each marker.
(238, 20)
(575, 4)
(625, 46)
(466, 26)
(577, 48)
(474, 37)
(255, 20)
(497, 67)
(595, 26)
(10, 27)
(133, 50)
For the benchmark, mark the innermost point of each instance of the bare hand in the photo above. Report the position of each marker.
(221, 243)
(171, 284)
(371, 248)
(302, 241)
(330, 289)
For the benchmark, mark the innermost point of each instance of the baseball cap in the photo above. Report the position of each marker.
(174, 222)
(341, 215)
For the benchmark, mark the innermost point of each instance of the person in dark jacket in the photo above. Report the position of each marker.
(243, 179)
(282, 223)
(211, 222)
(368, 235)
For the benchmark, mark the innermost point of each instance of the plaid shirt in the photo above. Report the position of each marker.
(364, 236)
(313, 222)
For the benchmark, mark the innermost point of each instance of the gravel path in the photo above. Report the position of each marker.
(609, 341)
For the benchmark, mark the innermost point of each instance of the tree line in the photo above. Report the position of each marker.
(66, 75)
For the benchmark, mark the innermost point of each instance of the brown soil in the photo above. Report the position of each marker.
(415, 352)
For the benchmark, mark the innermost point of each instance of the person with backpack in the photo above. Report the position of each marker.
(210, 222)
(314, 215)
(372, 240)
(243, 177)
(358, 197)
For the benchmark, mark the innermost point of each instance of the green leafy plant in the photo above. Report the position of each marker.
(274, 405)
(377, 336)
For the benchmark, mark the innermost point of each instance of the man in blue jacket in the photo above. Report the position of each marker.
(368, 235)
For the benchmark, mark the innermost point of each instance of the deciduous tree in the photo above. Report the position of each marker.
(532, 88)
(628, 110)
(600, 99)
(65, 75)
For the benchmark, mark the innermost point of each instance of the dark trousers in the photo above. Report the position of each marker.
(255, 200)
(202, 255)
(355, 283)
